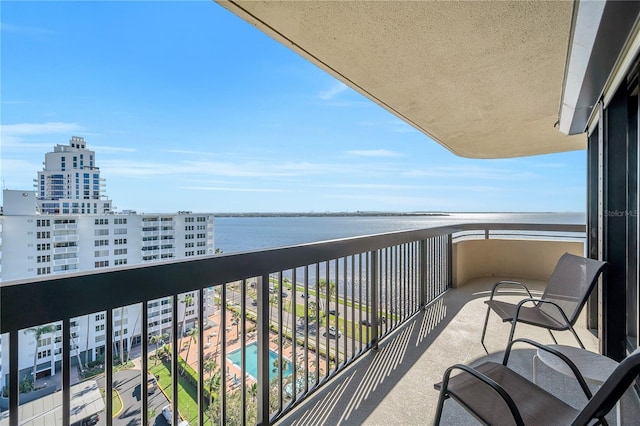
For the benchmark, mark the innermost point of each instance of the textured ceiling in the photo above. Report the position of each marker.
(482, 78)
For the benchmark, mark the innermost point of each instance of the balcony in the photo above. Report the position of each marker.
(370, 324)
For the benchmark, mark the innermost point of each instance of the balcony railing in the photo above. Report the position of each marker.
(285, 321)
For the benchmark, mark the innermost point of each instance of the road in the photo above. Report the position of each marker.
(127, 383)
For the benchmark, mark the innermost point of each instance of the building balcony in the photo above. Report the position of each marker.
(349, 331)
(72, 226)
(72, 261)
(63, 250)
(65, 238)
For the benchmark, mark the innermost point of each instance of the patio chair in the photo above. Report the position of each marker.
(495, 394)
(571, 282)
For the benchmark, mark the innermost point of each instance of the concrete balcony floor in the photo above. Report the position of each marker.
(394, 386)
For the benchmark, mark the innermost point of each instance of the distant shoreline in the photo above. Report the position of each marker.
(365, 214)
(331, 214)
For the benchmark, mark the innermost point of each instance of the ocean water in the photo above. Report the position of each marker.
(234, 234)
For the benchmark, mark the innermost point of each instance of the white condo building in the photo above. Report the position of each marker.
(67, 225)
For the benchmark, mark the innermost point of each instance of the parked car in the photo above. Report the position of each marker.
(333, 312)
(304, 295)
(333, 332)
(152, 385)
(167, 414)
(365, 322)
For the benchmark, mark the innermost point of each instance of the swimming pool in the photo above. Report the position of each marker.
(252, 361)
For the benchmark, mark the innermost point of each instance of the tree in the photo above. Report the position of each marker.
(211, 366)
(192, 336)
(324, 303)
(188, 301)
(156, 339)
(272, 301)
(312, 312)
(252, 391)
(235, 316)
(38, 332)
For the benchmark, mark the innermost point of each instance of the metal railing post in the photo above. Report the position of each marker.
(66, 372)
(423, 273)
(108, 365)
(145, 361)
(174, 358)
(450, 269)
(263, 349)
(200, 399)
(13, 378)
(374, 300)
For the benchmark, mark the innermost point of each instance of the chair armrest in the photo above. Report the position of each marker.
(537, 302)
(506, 282)
(487, 381)
(576, 372)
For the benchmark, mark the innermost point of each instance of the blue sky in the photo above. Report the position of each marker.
(190, 108)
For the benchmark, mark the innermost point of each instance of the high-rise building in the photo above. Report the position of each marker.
(67, 225)
(70, 182)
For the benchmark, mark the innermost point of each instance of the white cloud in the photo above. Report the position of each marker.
(14, 135)
(21, 129)
(265, 168)
(229, 189)
(106, 148)
(394, 125)
(395, 187)
(374, 153)
(551, 165)
(469, 172)
(24, 30)
(334, 91)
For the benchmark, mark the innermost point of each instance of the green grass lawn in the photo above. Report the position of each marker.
(116, 401)
(187, 393)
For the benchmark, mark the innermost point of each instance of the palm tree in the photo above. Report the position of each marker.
(156, 339)
(211, 365)
(37, 334)
(322, 287)
(313, 310)
(252, 391)
(192, 336)
(272, 301)
(188, 301)
(235, 316)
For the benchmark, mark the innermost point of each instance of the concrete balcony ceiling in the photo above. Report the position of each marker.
(484, 79)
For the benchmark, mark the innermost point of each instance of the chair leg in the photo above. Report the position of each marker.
(552, 336)
(484, 329)
(436, 420)
(513, 331)
(576, 336)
